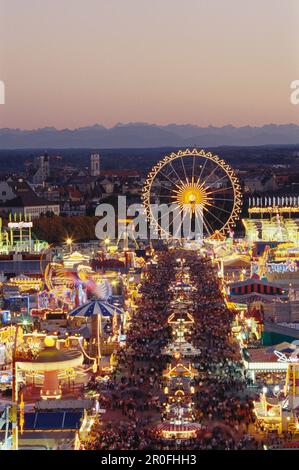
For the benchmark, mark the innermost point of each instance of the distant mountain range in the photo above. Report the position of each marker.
(143, 135)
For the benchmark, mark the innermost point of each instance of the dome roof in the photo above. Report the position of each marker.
(51, 358)
(52, 354)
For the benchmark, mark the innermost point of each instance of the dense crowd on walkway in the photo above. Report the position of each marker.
(136, 383)
(221, 386)
(134, 390)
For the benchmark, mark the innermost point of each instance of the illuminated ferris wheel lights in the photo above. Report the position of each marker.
(209, 189)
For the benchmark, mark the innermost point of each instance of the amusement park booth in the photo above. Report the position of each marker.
(100, 323)
(269, 298)
(255, 288)
(281, 412)
(236, 267)
(263, 362)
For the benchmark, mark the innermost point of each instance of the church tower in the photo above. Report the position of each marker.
(95, 164)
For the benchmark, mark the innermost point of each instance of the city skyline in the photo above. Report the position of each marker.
(68, 65)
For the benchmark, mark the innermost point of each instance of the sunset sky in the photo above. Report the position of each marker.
(70, 63)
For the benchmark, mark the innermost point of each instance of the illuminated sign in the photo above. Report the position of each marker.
(20, 225)
(287, 267)
(283, 358)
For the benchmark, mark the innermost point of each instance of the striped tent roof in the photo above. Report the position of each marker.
(96, 307)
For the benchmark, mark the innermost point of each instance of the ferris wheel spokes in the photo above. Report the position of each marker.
(184, 169)
(191, 179)
(209, 176)
(206, 224)
(221, 190)
(202, 171)
(167, 177)
(217, 181)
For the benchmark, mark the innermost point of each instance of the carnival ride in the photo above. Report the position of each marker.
(50, 361)
(70, 286)
(195, 184)
(59, 286)
(104, 322)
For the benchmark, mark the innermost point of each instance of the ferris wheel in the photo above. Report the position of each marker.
(56, 278)
(199, 183)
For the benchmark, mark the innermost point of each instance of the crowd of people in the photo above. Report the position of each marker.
(135, 390)
(221, 383)
(135, 387)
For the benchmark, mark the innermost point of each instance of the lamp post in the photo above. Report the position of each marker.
(69, 242)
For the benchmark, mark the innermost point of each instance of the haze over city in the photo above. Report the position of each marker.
(69, 63)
